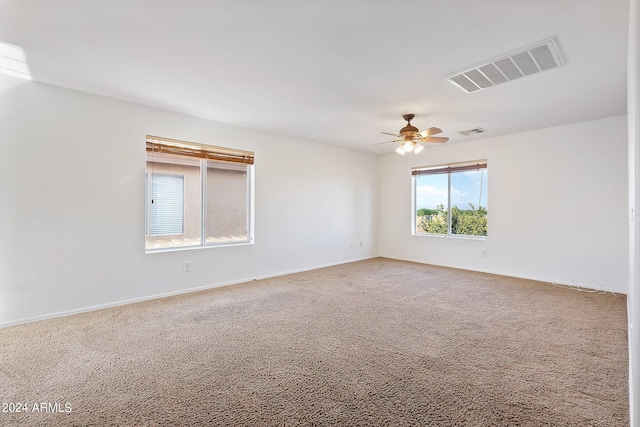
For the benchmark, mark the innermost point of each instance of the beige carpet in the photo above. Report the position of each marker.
(378, 342)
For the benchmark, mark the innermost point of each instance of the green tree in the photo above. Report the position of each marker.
(468, 222)
(437, 224)
(472, 222)
(426, 212)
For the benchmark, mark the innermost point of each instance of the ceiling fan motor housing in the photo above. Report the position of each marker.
(408, 131)
(410, 136)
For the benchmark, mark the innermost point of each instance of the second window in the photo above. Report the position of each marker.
(196, 195)
(450, 200)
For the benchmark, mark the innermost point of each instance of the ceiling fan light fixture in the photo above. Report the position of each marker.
(407, 146)
(409, 137)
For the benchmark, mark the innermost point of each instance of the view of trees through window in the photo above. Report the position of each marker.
(465, 191)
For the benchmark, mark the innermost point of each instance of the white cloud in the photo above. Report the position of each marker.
(430, 191)
(430, 196)
(458, 193)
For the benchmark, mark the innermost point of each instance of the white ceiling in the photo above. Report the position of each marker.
(333, 71)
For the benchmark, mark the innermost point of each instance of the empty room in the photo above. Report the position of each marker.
(319, 213)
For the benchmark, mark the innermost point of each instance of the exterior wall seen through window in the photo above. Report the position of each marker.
(193, 202)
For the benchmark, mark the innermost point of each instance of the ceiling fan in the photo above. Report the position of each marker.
(410, 137)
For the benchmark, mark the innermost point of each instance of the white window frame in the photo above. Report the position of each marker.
(414, 207)
(250, 182)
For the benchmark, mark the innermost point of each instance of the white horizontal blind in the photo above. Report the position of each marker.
(167, 204)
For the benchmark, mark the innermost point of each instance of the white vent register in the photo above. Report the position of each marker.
(523, 62)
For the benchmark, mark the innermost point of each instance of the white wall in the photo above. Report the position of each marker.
(557, 206)
(633, 297)
(72, 211)
(72, 204)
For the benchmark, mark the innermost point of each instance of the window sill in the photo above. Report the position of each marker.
(191, 248)
(451, 236)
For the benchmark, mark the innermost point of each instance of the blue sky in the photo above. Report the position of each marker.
(431, 190)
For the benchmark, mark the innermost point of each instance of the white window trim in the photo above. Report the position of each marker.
(203, 243)
(250, 202)
(414, 207)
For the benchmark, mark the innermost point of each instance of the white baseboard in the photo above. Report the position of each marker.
(315, 267)
(267, 276)
(499, 273)
(166, 294)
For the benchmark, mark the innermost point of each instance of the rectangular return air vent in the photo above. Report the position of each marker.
(523, 62)
(469, 132)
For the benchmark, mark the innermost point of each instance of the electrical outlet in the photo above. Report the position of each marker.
(187, 266)
(360, 244)
(484, 252)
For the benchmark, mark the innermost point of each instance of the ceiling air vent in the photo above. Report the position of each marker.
(522, 62)
(471, 131)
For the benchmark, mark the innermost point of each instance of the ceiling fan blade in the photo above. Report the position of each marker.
(434, 139)
(386, 142)
(430, 131)
(392, 134)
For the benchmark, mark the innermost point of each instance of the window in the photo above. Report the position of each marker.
(450, 200)
(167, 204)
(196, 195)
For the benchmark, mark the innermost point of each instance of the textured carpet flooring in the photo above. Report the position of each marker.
(371, 343)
